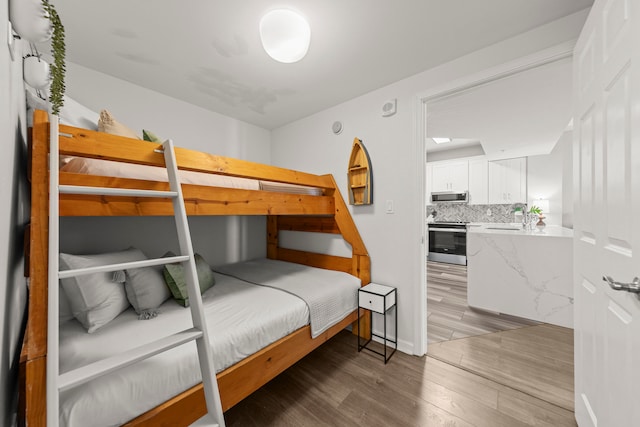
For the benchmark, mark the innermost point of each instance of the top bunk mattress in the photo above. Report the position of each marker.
(110, 168)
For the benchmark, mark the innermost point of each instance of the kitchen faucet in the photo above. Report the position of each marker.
(526, 218)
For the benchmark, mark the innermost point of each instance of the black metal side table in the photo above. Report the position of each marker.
(379, 299)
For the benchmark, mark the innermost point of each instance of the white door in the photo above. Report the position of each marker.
(607, 215)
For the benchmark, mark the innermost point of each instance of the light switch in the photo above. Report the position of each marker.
(389, 209)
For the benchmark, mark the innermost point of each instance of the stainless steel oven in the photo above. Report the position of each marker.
(448, 242)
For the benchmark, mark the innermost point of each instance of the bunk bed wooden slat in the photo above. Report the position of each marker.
(309, 224)
(316, 260)
(117, 192)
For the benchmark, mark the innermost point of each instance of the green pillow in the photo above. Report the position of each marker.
(175, 277)
(147, 135)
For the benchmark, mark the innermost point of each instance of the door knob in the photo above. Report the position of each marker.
(633, 287)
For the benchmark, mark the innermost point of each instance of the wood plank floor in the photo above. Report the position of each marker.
(537, 360)
(337, 386)
(521, 375)
(449, 316)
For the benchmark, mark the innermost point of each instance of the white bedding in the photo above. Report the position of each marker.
(153, 173)
(330, 295)
(242, 318)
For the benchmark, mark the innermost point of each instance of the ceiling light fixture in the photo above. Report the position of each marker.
(441, 140)
(285, 35)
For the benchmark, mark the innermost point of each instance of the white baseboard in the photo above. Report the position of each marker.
(403, 346)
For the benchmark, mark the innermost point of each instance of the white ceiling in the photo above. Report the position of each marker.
(523, 114)
(208, 52)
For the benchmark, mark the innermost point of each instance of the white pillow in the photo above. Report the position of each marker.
(72, 112)
(108, 124)
(146, 289)
(96, 299)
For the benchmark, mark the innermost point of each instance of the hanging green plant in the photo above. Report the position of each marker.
(58, 51)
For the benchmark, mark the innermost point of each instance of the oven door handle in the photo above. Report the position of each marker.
(452, 230)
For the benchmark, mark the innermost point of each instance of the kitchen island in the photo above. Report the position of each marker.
(522, 273)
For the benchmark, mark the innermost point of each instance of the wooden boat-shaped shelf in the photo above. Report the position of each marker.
(360, 178)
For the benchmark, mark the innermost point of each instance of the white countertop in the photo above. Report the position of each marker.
(515, 229)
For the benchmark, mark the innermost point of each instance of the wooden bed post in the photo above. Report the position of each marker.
(272, 236)
(34, 350)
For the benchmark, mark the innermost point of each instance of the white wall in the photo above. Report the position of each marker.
(391, 239)
(544, 181)
(219, 239)
(566, 144)
(13, 215)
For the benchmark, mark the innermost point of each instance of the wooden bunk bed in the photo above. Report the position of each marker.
(325, 213)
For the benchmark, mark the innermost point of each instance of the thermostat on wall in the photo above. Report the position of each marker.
(389, 108)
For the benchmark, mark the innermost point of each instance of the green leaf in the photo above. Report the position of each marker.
(58, 51)
(535, 210)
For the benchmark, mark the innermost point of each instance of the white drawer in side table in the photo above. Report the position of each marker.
(378, 299)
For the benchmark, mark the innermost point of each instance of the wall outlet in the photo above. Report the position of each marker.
(489, 212)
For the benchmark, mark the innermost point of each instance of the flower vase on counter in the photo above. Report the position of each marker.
(540, 225)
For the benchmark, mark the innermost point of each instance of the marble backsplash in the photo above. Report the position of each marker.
(471, 213)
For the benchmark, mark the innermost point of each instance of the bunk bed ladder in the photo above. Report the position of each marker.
(198, 333)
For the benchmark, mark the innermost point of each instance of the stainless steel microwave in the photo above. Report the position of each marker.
(450, 196)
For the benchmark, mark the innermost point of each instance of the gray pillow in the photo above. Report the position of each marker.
(146, 289)
(96, 299)
(175, 278)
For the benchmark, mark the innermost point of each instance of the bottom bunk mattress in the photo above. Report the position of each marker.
(242, 318)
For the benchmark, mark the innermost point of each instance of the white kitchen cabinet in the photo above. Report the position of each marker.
(478, 181)
(508, 181)
(450, 176)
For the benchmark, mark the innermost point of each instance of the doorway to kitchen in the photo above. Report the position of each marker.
(445, 311)
(520, 353)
